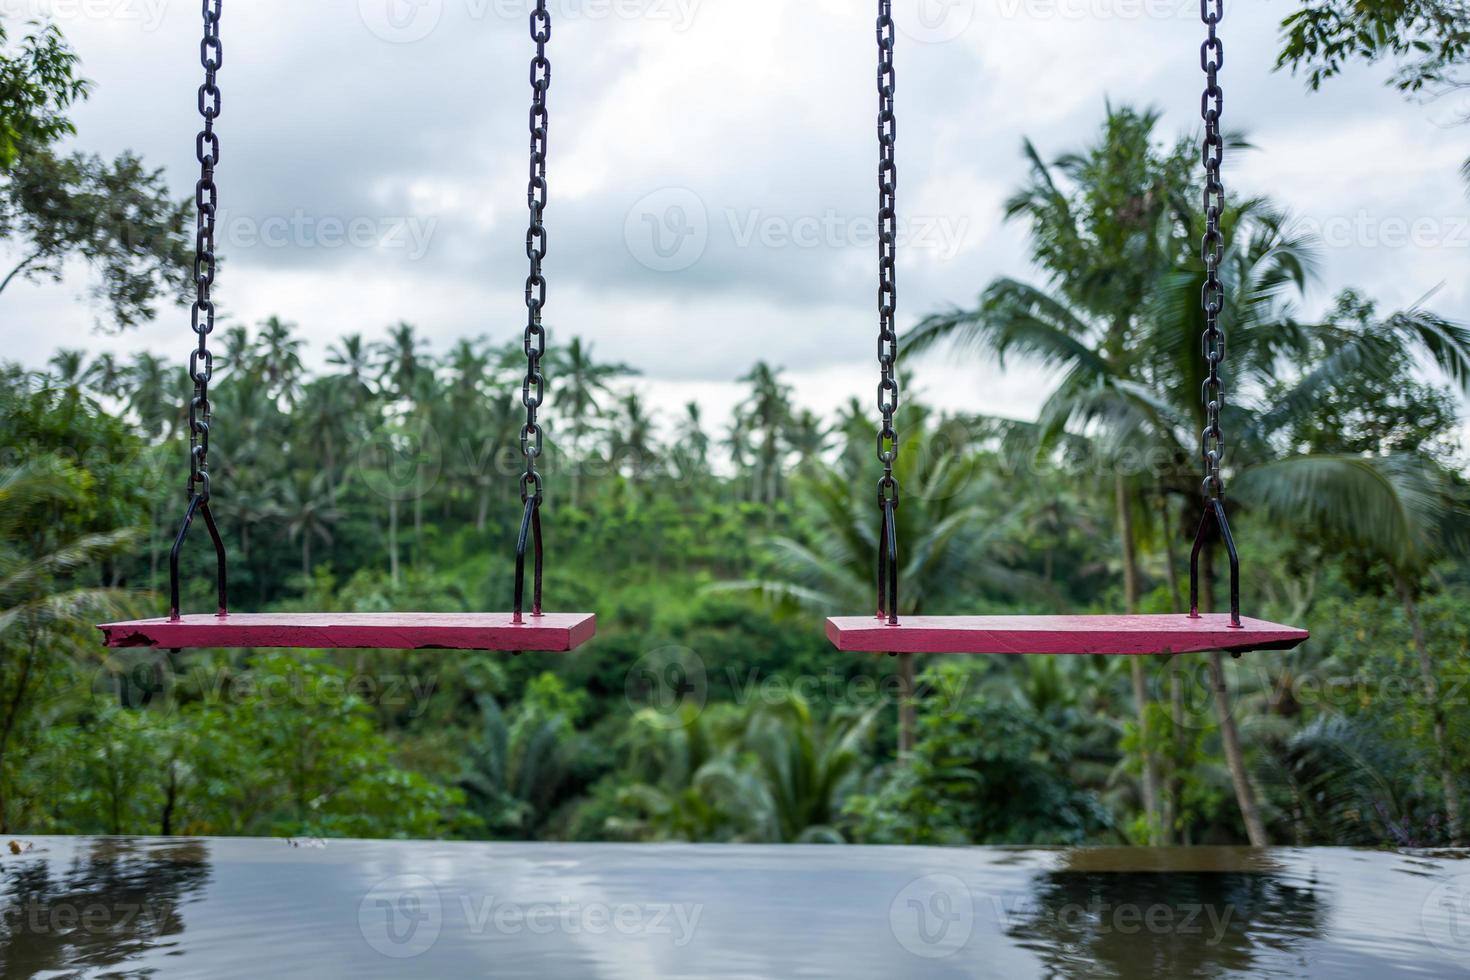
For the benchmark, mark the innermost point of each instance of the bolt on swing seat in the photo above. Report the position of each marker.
(1130, 635)
(514, 631)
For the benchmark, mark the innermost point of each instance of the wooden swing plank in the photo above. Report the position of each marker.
(1106, 635)
(550, 632)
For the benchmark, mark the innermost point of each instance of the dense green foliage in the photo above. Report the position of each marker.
(1429, 39)
(710, 707)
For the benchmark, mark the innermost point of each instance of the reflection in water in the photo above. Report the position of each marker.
(252, 908)
(112, 901)
(1192, 923)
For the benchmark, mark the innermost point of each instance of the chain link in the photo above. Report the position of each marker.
(888, 394)
(533, 390)
(1212, 248)
(206, 198)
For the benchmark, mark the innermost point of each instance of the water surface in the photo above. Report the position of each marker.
(111, 907)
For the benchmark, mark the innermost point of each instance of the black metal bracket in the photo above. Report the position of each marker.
(530, 530)
(1215, 512)
(197, 505)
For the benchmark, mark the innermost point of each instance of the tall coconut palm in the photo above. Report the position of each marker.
(155, 394)
(309, 508)
(353, 359)
(278, 354)
(768, 409)
(692, 444)
(580, 384)
(1111, 225)
(407, 374)
(631, 437)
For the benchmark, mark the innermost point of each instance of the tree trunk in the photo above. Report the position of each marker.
(1174, 796)
(1151, 781)
(1245, 794)
(306, 556)
(907, 714)
(418, 518)
(483, 513)
(12, 713)
(1453, 814)
(393, 541)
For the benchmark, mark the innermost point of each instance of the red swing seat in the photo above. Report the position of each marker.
(1107, 635)
(550, 632)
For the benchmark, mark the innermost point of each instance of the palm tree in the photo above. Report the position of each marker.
(808, 437)
(408, 374)
(310, 511)
(278, 355)
(155, 394)
(1112, 224)
(631, 437)
(807, 765)
(353, 358)
(69, 369)
(580, 382)
(107, 377)
(401, 362)
(768, 410)
(693, 442)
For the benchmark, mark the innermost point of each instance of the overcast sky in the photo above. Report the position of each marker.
(712, 168)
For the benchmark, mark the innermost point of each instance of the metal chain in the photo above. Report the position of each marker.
(888, 491)
(206, 196)
(1212, 440)
(533, 391)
